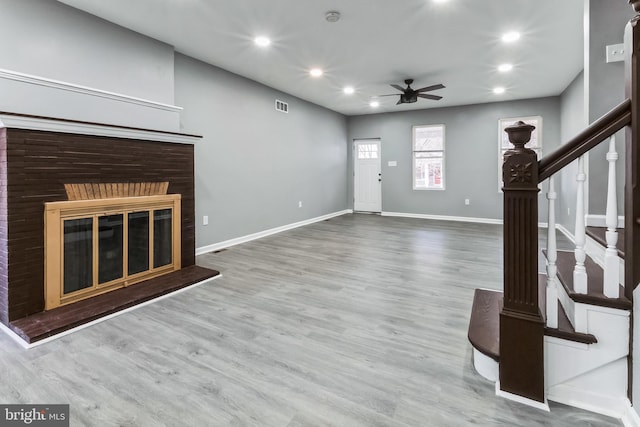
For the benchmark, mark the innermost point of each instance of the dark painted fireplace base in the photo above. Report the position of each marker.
(48, 323)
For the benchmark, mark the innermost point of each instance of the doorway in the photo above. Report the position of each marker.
(367, 176)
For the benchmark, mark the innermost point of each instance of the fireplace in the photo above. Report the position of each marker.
(119, 209)
(108, 236)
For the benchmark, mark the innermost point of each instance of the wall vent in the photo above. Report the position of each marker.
(282, 106)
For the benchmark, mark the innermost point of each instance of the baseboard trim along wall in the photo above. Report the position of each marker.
(601, 221)
(85, 90)
(444, 217)
(265, 233)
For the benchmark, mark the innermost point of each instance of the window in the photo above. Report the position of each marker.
(503, 139)
(428, 157)
(367, 151)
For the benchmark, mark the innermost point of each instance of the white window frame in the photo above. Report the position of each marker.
(413, 156)
(535, 136)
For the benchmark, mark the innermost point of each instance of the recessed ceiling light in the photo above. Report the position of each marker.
(348, 90)
(262, 41)
(511, 37)
(440, 1)
(503, 68)
(315, 72)
(374, 104)
(498, 90)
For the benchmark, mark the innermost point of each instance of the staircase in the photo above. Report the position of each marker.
(565, 335)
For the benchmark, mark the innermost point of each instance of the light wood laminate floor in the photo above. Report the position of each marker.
(356, 321)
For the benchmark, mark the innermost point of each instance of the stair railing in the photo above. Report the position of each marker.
(521, 321)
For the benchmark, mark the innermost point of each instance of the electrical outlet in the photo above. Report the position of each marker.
(300, 204)
(467, 201)
(205, 220)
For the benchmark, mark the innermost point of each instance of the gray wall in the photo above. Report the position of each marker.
(471, 155)
(54, 41)
(606, 19)
(254, 163)
(573, 121)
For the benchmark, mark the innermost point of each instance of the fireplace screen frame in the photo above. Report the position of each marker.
(56, 213)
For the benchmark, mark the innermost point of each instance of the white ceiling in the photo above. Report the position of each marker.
(375, 43)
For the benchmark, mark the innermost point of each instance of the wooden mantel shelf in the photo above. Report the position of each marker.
(53, 124)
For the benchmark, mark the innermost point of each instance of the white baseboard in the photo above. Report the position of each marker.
(630, 417)
(589, 401)
(601, 221)
(244, 239)
(569, 235)
(516, 398)
(444, 217)
(27, 345)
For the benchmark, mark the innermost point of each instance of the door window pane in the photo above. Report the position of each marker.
(78, 254)
(110, 249)
(367, 151)
(138, 245)
(161, 237)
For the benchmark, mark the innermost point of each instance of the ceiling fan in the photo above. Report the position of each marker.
(410, 95)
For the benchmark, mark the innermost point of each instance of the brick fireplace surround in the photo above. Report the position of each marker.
(38, 156)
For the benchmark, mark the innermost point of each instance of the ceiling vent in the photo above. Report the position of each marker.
(282, 106)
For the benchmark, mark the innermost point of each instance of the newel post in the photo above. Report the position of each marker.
(521, 323)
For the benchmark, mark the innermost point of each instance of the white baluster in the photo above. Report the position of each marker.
(552, 256)
(611, 260)
(580, 272)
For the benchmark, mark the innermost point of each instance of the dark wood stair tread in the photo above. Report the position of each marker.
(565, 329)
(484, 324)
(599, 235)
(47, 323)
(595, 275)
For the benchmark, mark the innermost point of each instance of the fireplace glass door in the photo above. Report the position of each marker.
(106, 247)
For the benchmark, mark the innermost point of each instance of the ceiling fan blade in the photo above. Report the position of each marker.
(434, 97)
(400, 88)
(391, 94)
(429, 88)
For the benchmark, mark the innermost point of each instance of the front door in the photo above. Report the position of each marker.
(367, 177)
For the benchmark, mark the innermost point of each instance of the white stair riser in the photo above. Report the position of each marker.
(602, 390)
(565, 360)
